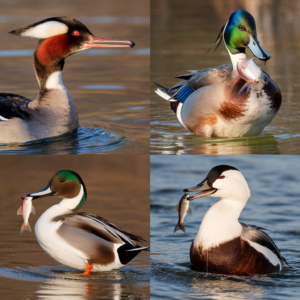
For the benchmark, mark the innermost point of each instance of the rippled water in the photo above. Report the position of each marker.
(51, 282)
(107, 85)
(84, 141)
(274, 205)
(181, 35)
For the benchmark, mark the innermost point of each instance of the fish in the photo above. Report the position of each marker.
(25, 209)
(183, 208)
(251, 73)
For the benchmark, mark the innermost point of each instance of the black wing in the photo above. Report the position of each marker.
(14, 106)
(257, 235)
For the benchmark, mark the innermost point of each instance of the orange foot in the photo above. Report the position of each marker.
(88, 270)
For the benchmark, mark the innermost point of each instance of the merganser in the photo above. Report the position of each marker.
(53, 112)
(224, 245)
(209, 103)
(81, 240)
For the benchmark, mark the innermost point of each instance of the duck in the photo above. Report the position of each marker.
(224, 245)
(209, 103)
(80, 240)
(53, 112)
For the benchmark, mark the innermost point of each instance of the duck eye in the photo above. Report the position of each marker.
(62, 180)
(222, 177)
(75, 32)
(241, 27)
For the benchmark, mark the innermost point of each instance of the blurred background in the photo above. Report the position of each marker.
(274, 204)
(181, 33)
(110, 87)
(117, 190)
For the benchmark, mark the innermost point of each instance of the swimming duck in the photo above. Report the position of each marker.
(80, 240)
(208, 102)
(223, 244)
(53, 112)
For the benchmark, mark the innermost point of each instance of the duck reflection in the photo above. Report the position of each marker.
(225, 288)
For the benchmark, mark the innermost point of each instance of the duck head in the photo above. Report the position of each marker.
(60, 37)
(222, 181)
(66, 184)
(239, 33)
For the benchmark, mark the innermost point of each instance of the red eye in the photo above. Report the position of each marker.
(222, 177)
(76, 32)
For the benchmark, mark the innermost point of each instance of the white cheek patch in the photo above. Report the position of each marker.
(45, 30)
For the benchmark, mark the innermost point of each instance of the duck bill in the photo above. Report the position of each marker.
(43, 193)
(257, 50)
(95, 42)
(203, 187)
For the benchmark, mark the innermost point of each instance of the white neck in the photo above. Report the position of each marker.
(72, 203)
(234, 58)
(54, 81)
(220, 223)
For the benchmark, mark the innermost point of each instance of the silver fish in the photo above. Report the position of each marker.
(25, 209)
(183, 207)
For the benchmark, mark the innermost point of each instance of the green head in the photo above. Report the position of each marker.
(66, 184)
(239, 33)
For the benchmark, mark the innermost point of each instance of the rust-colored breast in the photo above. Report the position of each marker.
(234, 105)
(235, 257)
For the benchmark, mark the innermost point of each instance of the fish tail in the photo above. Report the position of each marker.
(180, 226)
(25, 227)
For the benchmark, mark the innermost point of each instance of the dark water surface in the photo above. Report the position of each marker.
(118, 190)
(274, 205)
(180, 36)
(107, 85)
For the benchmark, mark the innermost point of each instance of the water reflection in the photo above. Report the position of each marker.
(83, 141)
(215, 286)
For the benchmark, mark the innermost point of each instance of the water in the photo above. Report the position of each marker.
(274, 205)
(106, 84)
(181, 34)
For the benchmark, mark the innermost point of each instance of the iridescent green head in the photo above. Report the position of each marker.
(239, 33)
(66, 184)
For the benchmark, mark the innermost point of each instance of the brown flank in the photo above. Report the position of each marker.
(234, 105)
(235, 257)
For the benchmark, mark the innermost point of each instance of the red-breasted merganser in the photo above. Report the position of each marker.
(53, 112)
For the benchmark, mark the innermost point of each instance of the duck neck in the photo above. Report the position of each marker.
(220, 223)
(73, 204)
(234, 58)
(49, 76)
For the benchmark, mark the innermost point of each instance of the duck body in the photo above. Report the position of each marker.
(53, 112)
(213, 104)
(223, 245)
(53, 115)
(81, 240)
(216, 108)
(73, 246)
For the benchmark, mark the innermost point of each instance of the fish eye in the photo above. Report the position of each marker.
(75, 32)
(222, 177)
(241, 27)
(62, 180)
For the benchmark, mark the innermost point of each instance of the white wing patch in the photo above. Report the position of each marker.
(267, 253)
(45, 30)
(3, 119)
